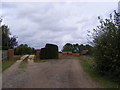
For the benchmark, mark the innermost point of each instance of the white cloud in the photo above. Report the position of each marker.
(61, 0)
(39, 23)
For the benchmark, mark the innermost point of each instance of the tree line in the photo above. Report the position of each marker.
(77, 48)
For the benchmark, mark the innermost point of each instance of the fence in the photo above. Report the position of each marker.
(4, 54)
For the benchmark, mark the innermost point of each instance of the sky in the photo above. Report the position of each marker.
(38, 23)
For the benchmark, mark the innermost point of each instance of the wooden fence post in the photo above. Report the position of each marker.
(10, 54)
(38, 54)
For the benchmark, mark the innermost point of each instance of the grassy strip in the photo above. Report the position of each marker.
(6, 64)
(87, 64)
(24, 63)
(17, 57)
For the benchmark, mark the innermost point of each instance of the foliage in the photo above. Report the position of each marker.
(8, 41)
(88, 63)
(17, 57)
(49, 52)
(68, 47)
(107, 46)
(76, 48)
(24, 49)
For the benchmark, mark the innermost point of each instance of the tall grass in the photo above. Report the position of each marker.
(88, 65)
(6, 64)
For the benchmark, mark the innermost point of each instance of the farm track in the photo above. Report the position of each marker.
(63, 73)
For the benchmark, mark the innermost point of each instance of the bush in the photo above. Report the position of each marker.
(107, 47)
(24, 49)
(49, 52)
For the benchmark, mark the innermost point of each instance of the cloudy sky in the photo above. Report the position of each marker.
(38, 23)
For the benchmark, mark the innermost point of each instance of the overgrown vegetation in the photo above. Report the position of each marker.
(107, 47)
(24, 63)
(88, 63)
(6, 64)
(17, 57)
(24, 49)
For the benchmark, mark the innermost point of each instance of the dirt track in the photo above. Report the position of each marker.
(65, 73)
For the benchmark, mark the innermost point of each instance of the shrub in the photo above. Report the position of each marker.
(24, 49)
(107, 47)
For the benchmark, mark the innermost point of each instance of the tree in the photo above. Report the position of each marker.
(82, 47)
(68, 47)
(7, 41)
(76, 48)
(24, 49)
(107, 46)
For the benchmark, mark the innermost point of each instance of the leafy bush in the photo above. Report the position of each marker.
(24, 49)
(107, 46)
(88, 64)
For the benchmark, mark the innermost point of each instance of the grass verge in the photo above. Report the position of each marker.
(6, 64)
(17, 57)
(88, 66)
(24, 63)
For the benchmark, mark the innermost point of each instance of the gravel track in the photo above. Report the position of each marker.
(63, 73)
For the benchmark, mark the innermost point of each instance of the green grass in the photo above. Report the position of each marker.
(17, 57)
(87, 64)
(24, 63)
(6, 64)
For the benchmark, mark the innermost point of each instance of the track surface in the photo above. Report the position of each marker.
(63, 73)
